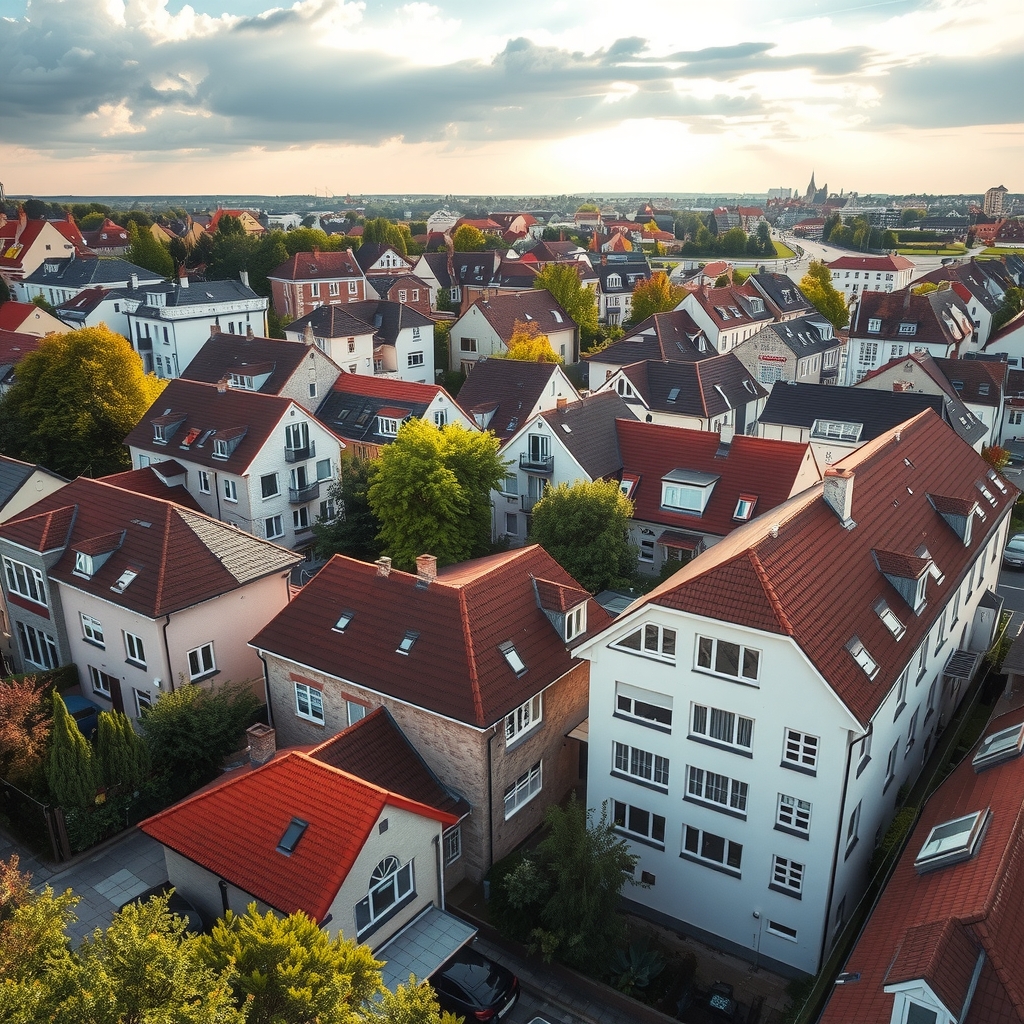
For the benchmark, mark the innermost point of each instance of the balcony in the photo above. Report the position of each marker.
(539, 464)
(528, 501)
(300, 495)
(300, 454)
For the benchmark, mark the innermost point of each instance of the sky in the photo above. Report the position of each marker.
(537, 97)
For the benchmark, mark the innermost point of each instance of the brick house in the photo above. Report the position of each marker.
(472, 662)
(802, 348)
(312, 279)
(402, 287)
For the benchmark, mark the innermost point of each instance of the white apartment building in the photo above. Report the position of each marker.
(854, 275)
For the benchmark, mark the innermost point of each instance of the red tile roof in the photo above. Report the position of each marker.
(13, 314)
(455, 667)
(729, 298)
(890, 263)
(317, 266)
(386, 387)
(146, 481)
(786, 583)
(233, 830)
(932, 314)
(14, 346)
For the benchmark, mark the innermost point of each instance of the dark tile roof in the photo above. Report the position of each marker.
(196, 293)
(332, 322)
(80, 273)
(629, 276)
(704, 389)
(355, 401)
(383, 283)
(940, 318)
(536, 306)
(674, 336)
(781, 291)
(317, 266)
(82, 304)
(455, 667)
(587, 429)
(224, 354)
(803, 335)
(977, 381)
(14, 346)
(972, 275)
(385, 319)
(369, 252)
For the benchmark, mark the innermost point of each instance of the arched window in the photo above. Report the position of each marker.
(391, 884)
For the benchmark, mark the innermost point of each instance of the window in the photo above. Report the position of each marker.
(653, 640)
(102, 684)
(634, 763)
(646, 706)
(296, 437)
(467, 344)
(511, 484)
(868, 353)
(38, 648)
(646, 550)
(722, 727)
(890, 767)
(309, 703)
(92, 630)
(230, 490)
(800, 752)
(888, 617)
(862, 657)
(405, 645)
(300, 518)
(135, 650)
(908, 328)
(787, 876)
(901, 694)
(353, 287)
(512, 524)
(912, 732)
(523, 790)
(415, 358)
(314, 289)
(706, 847)
(793, 816)
(143, 701)
(744, 507)
(951, 842)
(453, 845)
(440, 417)
(716, 789)
(685, 497)
(274, 527)
(999, 747)
(525, 717)
(576, 622)
(334, 288)
(354, 711)
(390, 884)
(387, 425)
(624, 388)
(83, 564)
(24, 580)
(638, 823)
(204, 482)
(515, 662)
(269, 485)
(874, 325)
(836, 430)
(728, 659)
(200, 662)
(782, 930)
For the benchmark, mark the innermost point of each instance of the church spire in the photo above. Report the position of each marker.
(811, 189)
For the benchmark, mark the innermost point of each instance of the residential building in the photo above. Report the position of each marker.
(982, 286)
(805, 348)
(28, 318)
(619, 275)
(501, 394)
(690, 489)
(889, 326)
(345, 339)
(141, 594)
(377, 258)
(367, 412)
(454, 271)
(95, 306)
(249, 220)
(404, 288)
(575, 441)
(309, 280)
(855, 275)
(752, 756)
(992, 205)
(727, 315)
(14, 346)
(259, 462)
(717, 394)
(24, 244)
(109, 239)
(58, 279)
(485, 689)
(750, 217)
(784, 299)
(1006, 343)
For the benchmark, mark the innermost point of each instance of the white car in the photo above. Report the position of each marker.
(1013, 553)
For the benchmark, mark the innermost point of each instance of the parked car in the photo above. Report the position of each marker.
(1013, 553)
(473, 986)
(177, 904)
(84, 712)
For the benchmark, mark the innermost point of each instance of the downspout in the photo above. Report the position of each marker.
(224, 894)
(266, 687)
(490, 803)
(835, 852)
(439, 867)
(216, 488)
(167, 652)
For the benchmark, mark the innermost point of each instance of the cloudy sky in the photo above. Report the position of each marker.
(536, 96)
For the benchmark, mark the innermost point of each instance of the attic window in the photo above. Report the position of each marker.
(83, 564)
(673, 394)
(220, 449)
(982, 389)
(566, 428)
(627, 485)
(860, 655)
(292, 834)
(951, 842)
(874, 325)
(411, 636)
(575, 621)
(994, 477)
(990, 497)
(958, 385)
(686, 491)
(124, 581)
(556, 315)
(757, 305)
(906, 328)
(836, 430)
(343, 621)
(515, 662)
(786, 295)
(745, 507)
(889, 619)
(735, 312)
(720, 310)
(1001, 746)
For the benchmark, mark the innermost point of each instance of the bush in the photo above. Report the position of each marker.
(512, 918)
(898, 830)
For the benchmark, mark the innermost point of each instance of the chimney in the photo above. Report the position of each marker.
(262, 743)
(426, 569)
(214, 330)
(383, 566)
(307, 335)
(248, 331)
(561, 403)
(838, 494)
(134, 281)
(182, 276)
(223, 385)
(244, 276)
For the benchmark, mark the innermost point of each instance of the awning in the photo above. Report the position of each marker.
(581, 732)
(683, 541)
(422, 946)
(961, 665)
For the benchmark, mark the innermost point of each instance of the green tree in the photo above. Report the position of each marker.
(1013, 302)
(25, 722)
(706, 242)
(832, 221)
(91, 221)
(430, 490)
(381, 231)
(889, 240)
(229, 224)
(5, 292)
(410, 1004)
(354, 529)
(469, 239)
(443, 303)
(442, 341)
(584, 527)
(74, 401)
(145, 251)
(563, 281)
(286, 969)
(71, 769)
(121, 751)
(818, 288)
(47, 307)
(723, 279)
(656, 295)
(733, 242)
(763, 235)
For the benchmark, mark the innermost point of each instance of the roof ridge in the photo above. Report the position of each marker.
(769, 590)
(700, 389)
(474, 677)
(161, 575)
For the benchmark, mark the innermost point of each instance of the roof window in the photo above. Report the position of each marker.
(343, 621)
(836, 430)
(292, 834)
(989, 496)
(411, 636)
(745, 507)
(889, 619)
(995, 478)
(720, 310)
(1000, 746)
(951, 842)
(124, 581)
(673, 394)
(861, 656)
(515, 662)
(556, 315)
(83, 564)
(735, 312)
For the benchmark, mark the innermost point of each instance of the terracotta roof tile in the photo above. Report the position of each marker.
(146, 481)
(320, 266)
(890, 263)
(536, 306)
(224, 354)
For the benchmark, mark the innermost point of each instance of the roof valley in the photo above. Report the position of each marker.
(474, 678)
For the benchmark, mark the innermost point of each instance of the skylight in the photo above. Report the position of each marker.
(951, 842)
(343, 620)
(989, 496)
(1001, 746)
(124, 580)
(292, 834)
(408, 640)
(566, 428)
(744, 507)
(888, 617)
(861, 656)
(515, 662)
(994, 477)
(673, 394)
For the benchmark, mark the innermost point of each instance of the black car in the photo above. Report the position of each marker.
(472, 986)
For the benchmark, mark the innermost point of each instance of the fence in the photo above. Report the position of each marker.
(38, 825)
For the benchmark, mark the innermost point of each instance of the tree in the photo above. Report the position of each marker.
(122, 753)
(5, 292)
(25, 721)
(764, 239)
(71, 769)
(74, 401)
(733, 242)
(656, 295)
(469, 239)
(997, 457)
(563, 281)
(443, 303)
(381, 231)
(145, 251)
(584, 527)
(48, 307)
(723, 279)
(430, 489)
(90, 221)
(817, 287)
(528, 345)
(410, 1004)
(1013, 302)
(354, 529)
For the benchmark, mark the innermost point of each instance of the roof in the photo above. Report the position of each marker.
(704, 389)
(781, 291)
(889, 263)
(13, 474)
(14, 314)
(751, 467)
(804, 335)
(731, 306)
(14, 346)
(376, 750)
(629, 275)
(938, 318)
(81, 305)
(317, 266)
(785, 584)
(181, 557)
(369, 252)
(150, 480)
(455, 667)
(234, 829)
(932, 927)
(587, 429)
(510, 389)
(383, 283)
(107, 236)
(536, 306)
(977, 381)
(383, 318)
(674, 336)
(224, 354)
(74, 272)
(973, 275)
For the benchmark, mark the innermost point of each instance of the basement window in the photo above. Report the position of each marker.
(292, 834)
(1001, 746)
(951, 842)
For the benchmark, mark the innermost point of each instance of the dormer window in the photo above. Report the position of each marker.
(952, 842)
(889, 619)
(744, 507)
(836, 430)
(628, 484)
(614, 281)
(906, 328)
(387, 425)
(687, 491)
(720, 310)
(787, 295)
(241, 381)
(860, 655)
(83, 564)
(576, 622)
(220, 449)
(406, 644)
(874, 325)
(1000, 746)
(989, 496)
(908, 574)
(756, 305)
(623, 388)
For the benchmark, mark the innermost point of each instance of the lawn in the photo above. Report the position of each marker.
(1001, 251)
(740, 274)
(783, 252)
(923, 249)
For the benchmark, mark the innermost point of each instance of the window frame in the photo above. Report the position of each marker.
(787, 876)
(524, 719)
(712, 666)
(524, 789)
(204, 481)
(644, 650)
(206, 662)
(275, 482)
(794, 741)
(452, 845)
(401, 889)
(649, 721)
(92, 631)
(699, 856)
(644, 767)
(101, 682)
(706, 736)
(277, 521)
(735, 792)
(134, 649)
(35, 641)
(33, 581)
(624, 827)
(230, 490)
(309, 714)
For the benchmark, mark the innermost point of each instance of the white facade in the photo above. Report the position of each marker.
(473, 338)
(353, 353)
(854, 282)
(864, 354)
(723, 339)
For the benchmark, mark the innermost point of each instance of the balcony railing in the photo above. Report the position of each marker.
(300, 454)
(300, 495)
(528, 501)
(537, 463)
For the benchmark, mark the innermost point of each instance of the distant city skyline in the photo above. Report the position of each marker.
(236, 96)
